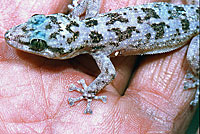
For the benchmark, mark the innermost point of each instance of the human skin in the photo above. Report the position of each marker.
(34, 90)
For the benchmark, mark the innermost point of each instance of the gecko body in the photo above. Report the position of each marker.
(144, 29)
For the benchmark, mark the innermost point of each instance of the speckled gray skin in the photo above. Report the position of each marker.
(144, 29)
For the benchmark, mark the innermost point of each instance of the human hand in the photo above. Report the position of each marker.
(34, 90)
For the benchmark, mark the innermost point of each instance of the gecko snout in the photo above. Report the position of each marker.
(7, 35)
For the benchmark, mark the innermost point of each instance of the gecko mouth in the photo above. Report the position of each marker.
(35, 46)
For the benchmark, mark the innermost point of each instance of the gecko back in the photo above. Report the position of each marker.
(146, 29)
(143, 29)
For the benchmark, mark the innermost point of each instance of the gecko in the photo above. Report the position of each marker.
(152, 28)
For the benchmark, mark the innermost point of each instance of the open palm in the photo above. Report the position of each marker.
(34, 90)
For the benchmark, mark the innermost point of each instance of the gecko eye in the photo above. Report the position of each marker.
(38, 45)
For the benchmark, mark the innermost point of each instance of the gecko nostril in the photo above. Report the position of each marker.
(7, 35)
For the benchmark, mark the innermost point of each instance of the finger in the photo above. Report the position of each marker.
(157, 88)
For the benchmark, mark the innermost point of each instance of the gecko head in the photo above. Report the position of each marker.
(42, 35)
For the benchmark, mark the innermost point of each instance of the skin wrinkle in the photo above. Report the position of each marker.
(42, 87)
(33, 5)
(44, 94)
(168, 80)
(58, 108)
(162, 65)
(160, 110)
(155, 105)
(168, 65)
(180, 83)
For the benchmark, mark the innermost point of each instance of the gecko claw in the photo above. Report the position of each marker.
(71, 101)
(88, 111)
(89, 96)
(73, 87)
(102, 98)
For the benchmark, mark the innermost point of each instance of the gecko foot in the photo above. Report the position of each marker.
(88, 95)
(192, 83)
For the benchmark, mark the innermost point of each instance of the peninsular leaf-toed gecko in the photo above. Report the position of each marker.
(143, 29)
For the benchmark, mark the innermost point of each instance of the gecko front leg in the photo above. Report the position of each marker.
(105, 77)
(89, 7)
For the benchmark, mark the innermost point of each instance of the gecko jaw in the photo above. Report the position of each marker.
(24, 46)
